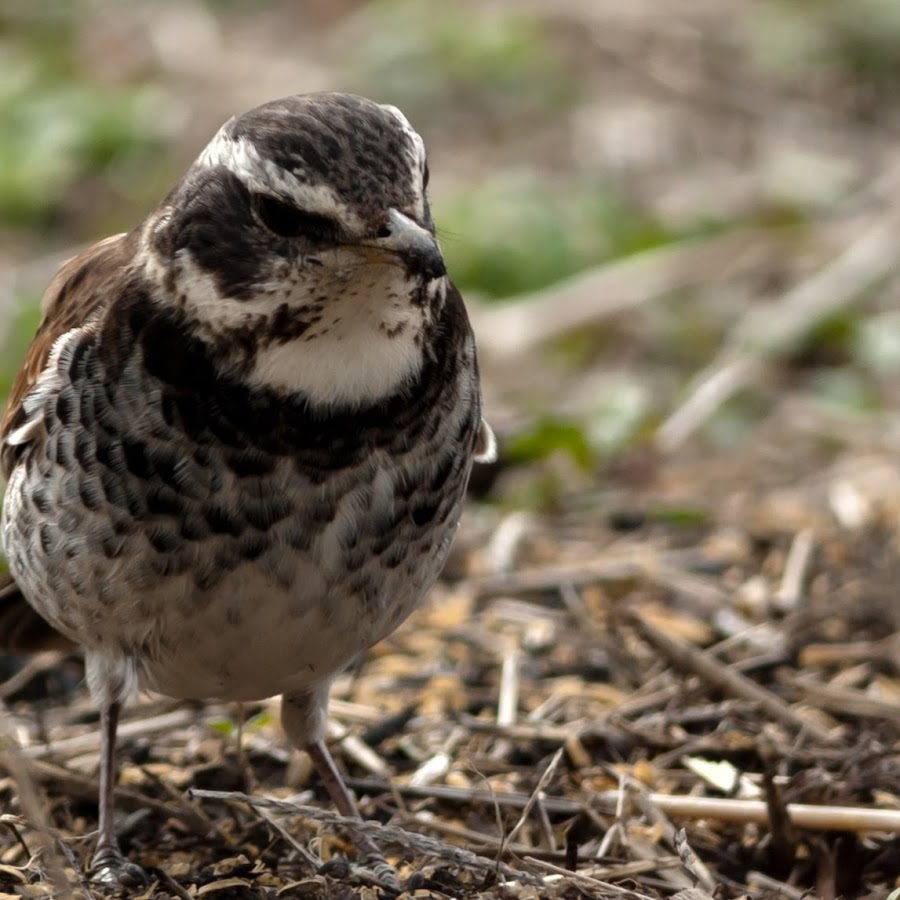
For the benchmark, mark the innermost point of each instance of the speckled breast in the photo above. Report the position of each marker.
(227, 543)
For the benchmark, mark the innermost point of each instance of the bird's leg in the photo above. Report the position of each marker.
(303, 719)
(331, 778)
(371, 856)
(108, 864)
(107, 852)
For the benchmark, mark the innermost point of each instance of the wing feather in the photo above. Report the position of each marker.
(78, 295)
(73, 304)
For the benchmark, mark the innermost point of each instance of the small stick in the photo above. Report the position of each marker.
(14, 824)
(472, 838)
(549, 578)
(435, 767)
(508, 700)
(783, 851)
(358, 750)
(310, 858)
(166, 880)
(541, 731)
(642, 799)
(790, 592)
(772, 884)
(635, 867)
(692, 863)
(503, 548)
(709, 390)
(82, 743)
(668, 569)
(844, 701)
(512, 330)
(545, 824)
(481, 840)
(549, 772)
(849, 652)
(356, 713)
(584, 879)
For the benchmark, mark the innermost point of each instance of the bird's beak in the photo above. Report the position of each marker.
(406, 244)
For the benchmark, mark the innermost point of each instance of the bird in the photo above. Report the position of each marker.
(237, 451)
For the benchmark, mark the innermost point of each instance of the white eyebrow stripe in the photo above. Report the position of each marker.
(417, 157)
(241, 157)
(415, 138)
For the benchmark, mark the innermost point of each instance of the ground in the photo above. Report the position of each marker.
(664, 659)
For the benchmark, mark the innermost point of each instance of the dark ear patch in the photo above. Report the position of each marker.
(287, 220)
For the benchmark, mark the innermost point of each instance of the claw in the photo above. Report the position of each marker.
(110, 868)
(372, 861)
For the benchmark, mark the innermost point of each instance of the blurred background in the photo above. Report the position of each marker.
(675, 223)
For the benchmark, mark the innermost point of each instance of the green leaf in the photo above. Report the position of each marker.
(550, 436)
(223, 726)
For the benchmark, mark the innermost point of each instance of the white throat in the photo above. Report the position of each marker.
(356, 355)
(363, 345)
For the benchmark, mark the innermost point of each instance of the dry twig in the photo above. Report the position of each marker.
(726, 679)
(814, 818)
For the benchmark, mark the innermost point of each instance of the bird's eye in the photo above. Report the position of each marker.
(286, 220)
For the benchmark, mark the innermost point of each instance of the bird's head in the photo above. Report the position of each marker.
(300, 245)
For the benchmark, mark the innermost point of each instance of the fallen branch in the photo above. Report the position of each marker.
(633, 563)
(741, 812)
(513, 329)
(779, 328)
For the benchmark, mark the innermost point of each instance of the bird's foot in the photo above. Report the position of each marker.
(382, 871)
(111, 869)
(372, 861)
(370, 867)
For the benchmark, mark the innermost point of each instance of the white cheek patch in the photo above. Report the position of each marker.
(203, 300)
(260, 175)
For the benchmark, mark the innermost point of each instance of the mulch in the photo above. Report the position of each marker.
(682, 684)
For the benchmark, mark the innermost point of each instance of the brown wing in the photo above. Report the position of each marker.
(81, 289)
